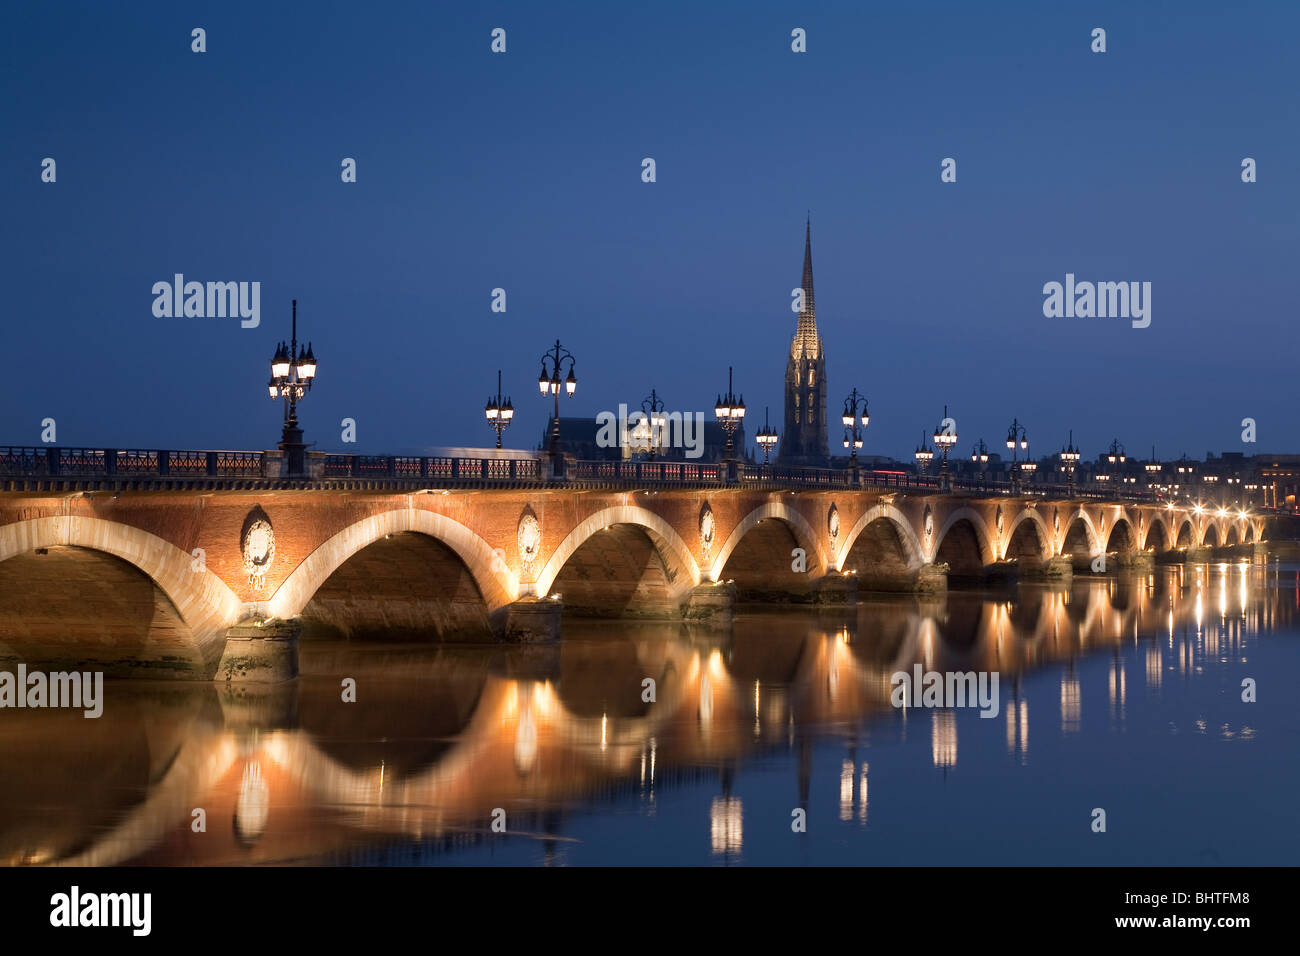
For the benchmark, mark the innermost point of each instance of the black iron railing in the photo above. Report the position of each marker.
(40, 462)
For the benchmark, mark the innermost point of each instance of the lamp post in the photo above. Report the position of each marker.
(980, 455)
(653, 408)
(1152, 469)
(923, 456)
(766, 438)
(730, 411)
(292, 373)
(550, 382)
(855, 418)
(1069, 459)
(945, 438)
(498, 413)
(1017, 441)
(1116, 453)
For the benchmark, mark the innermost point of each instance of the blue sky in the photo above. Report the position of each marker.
(522, 170)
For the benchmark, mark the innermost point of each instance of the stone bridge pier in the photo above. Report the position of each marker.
(220, 580)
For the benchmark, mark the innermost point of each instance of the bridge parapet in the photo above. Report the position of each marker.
(37, 468)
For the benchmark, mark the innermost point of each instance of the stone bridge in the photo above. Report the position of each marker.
(187, 579)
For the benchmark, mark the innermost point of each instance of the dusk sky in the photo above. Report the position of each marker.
(522, 171)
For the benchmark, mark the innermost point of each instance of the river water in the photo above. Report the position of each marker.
(1119, 698)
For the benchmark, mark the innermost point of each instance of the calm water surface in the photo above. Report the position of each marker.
(1122, 693)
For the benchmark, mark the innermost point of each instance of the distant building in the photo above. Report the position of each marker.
(804, 440)
(578, 438)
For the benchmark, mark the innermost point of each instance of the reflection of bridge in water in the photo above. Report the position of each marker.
(439, 737)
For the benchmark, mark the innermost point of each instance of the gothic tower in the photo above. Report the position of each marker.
(804, 439)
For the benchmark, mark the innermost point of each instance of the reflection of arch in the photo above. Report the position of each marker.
(672, 549)
(498, 586)
(1037, 525)
(796, 522)
(203, 601)
(912, 549)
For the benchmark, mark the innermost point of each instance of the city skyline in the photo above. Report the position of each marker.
(931, 292)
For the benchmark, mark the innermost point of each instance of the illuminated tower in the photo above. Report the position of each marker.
(804, 440)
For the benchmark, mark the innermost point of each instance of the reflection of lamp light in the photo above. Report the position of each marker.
(253, 805)
(706, 701)
(943, 739)
(725, 826)
(526, 740)
(846, 790)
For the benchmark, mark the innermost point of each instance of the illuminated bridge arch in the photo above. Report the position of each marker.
(1159, 534)
(676, 556)
(1092, 539)
(496, 583)
(800, 530)
(968, 556)
(205, 605)
(1037, 529)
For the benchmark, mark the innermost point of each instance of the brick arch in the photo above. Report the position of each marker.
(799, 527)
(1130, 530)
(672, 549)
(1090, 530)
(498, 585)
(1157, 520)
(912, 546)
(1190, 527)
(1044, 532)
(204, 602)
(982, 536)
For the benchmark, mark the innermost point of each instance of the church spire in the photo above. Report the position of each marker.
(805, 336)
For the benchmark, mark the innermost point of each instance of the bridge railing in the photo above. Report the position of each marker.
(435, 468)
(26, 462)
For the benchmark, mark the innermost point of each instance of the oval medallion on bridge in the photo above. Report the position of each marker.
(929, 523)
(998, 519)
(530, 537)
(707, 529)
(833, 523)
(257, 545)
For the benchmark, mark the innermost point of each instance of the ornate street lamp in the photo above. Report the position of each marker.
(766, 438)
(653, 408)
(498, 413)
(1116, 454)
(1069, 460)
(1017, 441)
(923, 455)
(855, 418)
(731, 412)
(549, 382)
(292, 373)
(980, 455)
(945, 439)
